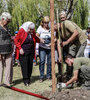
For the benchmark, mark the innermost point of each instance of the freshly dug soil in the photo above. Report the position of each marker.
(68, 94)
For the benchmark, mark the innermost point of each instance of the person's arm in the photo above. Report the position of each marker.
(74, 35)
(17, 39)
(37, 34)
(74, 78)
(36, 37)
(59, 50)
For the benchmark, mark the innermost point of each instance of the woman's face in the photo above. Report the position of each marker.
(46, 24)
(6, 22)
(30, 30)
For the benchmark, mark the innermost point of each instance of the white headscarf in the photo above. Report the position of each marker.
(26, 25)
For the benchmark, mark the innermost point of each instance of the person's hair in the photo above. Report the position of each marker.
(68, 56)
(62, 13)
(5, 16)
(45, 19)
(32, 26)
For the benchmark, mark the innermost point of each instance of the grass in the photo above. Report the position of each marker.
(35, 86)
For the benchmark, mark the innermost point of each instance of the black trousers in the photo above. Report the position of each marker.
(69, 70)
(26, 62)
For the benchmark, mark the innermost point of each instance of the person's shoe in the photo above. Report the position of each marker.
(29, 82)
(13, 65)
(18, 65)
(6, 85)
(41, 80)
(48, 79)
(26, 84)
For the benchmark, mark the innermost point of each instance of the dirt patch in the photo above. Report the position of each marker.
(68, 94)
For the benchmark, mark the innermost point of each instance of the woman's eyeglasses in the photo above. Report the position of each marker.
(46, 22)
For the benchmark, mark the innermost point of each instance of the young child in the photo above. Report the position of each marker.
(87, 48)
(36, 54)
(14, 52)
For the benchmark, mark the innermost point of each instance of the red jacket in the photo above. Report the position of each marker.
(20, 38)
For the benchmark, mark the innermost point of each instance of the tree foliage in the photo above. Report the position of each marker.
(76, 10)
(34, 10)
(81, 13)
(27, 10)
(1, 7)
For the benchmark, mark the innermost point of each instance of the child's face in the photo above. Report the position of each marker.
(88, 30)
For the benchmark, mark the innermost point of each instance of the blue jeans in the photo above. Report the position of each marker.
(42, 54)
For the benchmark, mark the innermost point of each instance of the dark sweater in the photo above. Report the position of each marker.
(28, 45)
(5, 41)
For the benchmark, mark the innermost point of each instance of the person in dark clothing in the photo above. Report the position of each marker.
(5, 49)
(25, 42)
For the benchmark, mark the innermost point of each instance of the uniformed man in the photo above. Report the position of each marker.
(81, 71)
(73, 38)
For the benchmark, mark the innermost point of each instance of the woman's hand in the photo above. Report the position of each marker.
(21, 51)
(49, 45)
(42, 40)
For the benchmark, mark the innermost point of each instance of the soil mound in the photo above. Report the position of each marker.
(68, 94)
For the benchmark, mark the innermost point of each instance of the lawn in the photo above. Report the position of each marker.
(44, 88)
(35, 86)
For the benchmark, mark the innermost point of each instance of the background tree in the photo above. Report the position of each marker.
(27, 10)
(1, 6)
(81, 13)
(34, 10)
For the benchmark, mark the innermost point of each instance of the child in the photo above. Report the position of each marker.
(87, 48)
(14, 52)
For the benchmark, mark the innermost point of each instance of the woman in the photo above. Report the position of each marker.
(5, 49)
(25, 42)
(43, 32)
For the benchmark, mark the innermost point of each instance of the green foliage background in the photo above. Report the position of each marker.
(34, 10)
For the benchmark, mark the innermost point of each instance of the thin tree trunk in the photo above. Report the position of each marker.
(52, 45)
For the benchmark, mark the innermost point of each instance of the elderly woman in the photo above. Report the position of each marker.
(5, 48)
(25, 42)
(43, 32)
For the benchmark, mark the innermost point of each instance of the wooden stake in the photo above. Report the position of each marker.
(52, 45)
(62, 65)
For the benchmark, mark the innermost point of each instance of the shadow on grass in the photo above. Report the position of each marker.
(34, 78)
(18, 81)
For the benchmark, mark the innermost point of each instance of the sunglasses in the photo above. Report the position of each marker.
(46, 22)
